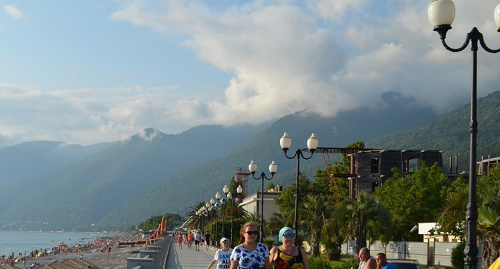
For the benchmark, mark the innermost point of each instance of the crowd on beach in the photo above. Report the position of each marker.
(102, 244)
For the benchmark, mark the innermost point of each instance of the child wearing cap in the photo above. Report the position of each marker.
(222, 255)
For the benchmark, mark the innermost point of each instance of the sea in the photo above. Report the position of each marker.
(24, 242)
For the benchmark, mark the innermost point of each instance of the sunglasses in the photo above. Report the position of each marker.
(252, 232)
(289, 235)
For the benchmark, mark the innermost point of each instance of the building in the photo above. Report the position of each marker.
(486, 164)
(426, 229)
(252, 203)
(371, 167)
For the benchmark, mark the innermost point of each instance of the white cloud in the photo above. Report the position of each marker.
(335, 10)
(283, 58)
(13, 11)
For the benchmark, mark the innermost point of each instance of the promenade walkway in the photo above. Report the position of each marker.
(189, 258)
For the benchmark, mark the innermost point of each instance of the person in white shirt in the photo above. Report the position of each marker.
(222, 255)
(197, 238)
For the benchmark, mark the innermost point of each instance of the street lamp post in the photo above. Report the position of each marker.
(222, 202)
(228, 196)
(217, 205)
(441, 14)
(252, 167)
(312, 145)
(212, 207)
(239, 190)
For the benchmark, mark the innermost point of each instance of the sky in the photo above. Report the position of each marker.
(90, 71)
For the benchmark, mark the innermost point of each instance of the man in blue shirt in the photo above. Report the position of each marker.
(382, 262)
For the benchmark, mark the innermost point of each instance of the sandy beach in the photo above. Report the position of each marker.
(104, 253)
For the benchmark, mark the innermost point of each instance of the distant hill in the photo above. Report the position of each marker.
(21, 165)
(153, 173)
(451, 134)
(202, 182)
(82, 192)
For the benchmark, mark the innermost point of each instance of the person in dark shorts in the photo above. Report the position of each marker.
(197, 237)
(207, 240)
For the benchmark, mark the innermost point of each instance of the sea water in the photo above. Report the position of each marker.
(24, 242)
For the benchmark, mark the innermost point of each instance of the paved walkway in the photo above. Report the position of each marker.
(189, 258)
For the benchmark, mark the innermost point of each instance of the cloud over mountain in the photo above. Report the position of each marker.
(276, 57)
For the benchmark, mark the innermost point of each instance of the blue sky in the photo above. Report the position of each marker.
(102, 70)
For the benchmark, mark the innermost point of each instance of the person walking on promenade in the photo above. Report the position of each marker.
(288, 255)
(197, 238)
(382, 263)
(366, 261)
(207, 240)
(179, 240)
(190, 240)
(222, 255)
(249, 253)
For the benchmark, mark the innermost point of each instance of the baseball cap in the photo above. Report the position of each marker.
(223, 239)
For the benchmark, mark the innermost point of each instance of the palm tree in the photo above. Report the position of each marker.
(335, 231)
(280, 219)
(364, 209)
(194, 220)
(318, 210)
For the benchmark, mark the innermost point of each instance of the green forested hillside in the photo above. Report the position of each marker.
(202, 182)
(451, 134)
(79, 194)
(153, 173)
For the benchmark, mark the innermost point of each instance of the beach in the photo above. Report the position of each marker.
(102, 253)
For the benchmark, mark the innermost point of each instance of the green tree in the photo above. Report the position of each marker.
(361, 212)
(278, 220)
(335, 231)
(151, 223)
(339, 186)
(270, 186)
(453, 217)
(318, 210)
(415, 198)
(194, 220)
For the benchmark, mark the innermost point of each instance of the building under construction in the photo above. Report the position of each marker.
(371, 167)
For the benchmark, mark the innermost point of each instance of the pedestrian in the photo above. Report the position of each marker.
(197, 238)
(207, 240)
(179, 240)
(287, 255)
(222, 255)
(365, 260)
(190, 240)
(249, 253)
(382, 263)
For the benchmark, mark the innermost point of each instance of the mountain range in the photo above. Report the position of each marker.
(52, 185)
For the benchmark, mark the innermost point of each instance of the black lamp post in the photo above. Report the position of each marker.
(228, 196)
(252, 167)
(217, 205)
(222, 202)
(312, 145)
(441, 14)
(212, 208)
(239, 190)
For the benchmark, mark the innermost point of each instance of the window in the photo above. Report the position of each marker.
(375, 165)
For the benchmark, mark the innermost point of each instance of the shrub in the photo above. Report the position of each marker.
(350, 262)
(319, 263)
(458, 256)
(269, 242)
